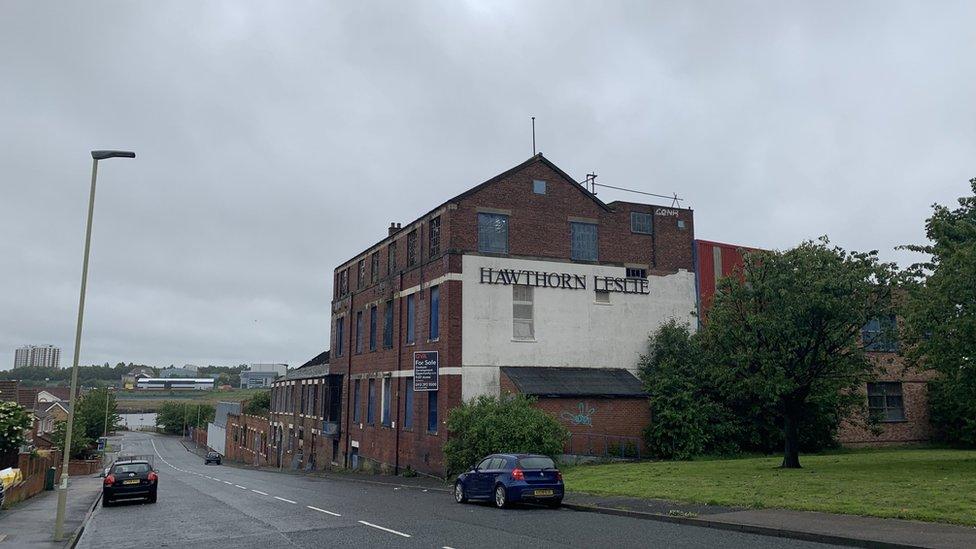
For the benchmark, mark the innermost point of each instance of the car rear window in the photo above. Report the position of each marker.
(536, 463)
(132, 468)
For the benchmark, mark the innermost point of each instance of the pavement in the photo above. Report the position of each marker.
(30, 523)
(222, 506)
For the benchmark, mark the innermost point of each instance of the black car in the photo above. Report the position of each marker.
(212, 457)
(509, 478)
(130, 479)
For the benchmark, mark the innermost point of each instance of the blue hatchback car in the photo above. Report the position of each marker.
(510, 478)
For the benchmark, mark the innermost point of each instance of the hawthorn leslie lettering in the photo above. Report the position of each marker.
(543, 279)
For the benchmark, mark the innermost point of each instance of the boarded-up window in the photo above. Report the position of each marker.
(584, 241)
(492, 233)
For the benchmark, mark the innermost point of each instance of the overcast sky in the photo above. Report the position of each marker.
(275, 139)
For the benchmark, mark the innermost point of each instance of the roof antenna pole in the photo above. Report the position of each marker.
(533, 136)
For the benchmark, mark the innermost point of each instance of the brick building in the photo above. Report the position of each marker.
(897, 396)
(526, 270)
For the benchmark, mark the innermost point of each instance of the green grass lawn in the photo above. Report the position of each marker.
(151, 400)
(923, 484)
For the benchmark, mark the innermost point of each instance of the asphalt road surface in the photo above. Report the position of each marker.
(230, 507)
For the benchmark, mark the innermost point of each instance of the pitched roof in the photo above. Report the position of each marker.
(321, 358)
(27, 396)
(536, 158)
(574, 382)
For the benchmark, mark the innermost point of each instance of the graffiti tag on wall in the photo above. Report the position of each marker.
(581, 416)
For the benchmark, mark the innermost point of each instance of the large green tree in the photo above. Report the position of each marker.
(96, 411)
(173, 416)
(940, 318)
(80, 442)
(787, 330)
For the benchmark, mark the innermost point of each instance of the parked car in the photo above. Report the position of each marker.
(510, 478)
(211, 457)
(130, 479)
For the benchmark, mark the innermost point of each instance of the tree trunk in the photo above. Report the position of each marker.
(791, 432)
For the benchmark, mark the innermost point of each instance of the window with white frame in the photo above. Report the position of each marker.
(522, 313)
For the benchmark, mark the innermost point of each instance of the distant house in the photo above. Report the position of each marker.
(34, 398)
(8, 391)
(139, 372)
(49, 416)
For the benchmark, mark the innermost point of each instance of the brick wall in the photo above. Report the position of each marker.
(856, 431)
(247, 439)
(33, 468)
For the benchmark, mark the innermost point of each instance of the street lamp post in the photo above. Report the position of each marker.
(72, 395)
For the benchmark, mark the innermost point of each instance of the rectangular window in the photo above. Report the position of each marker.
(356, 392)
(524, 327)
(584, 241)
(372, 328)
(344, 282)
(391, 258)
(492, 233)
(602, 296)
(371, 401)
(374, 267)
(885, 401)
(636, 273)
(880, 335)
(387, 398)
(362, 274)
(434, 236)
(408, 403)
(388, 325)
(432, 411)
(359, 332)
(641, 223)
(340, 329)
(435, 312)
(303, 397)
(412, 248)
(411, 325)
(538, 186)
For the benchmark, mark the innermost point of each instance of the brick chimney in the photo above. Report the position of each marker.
(394, 228)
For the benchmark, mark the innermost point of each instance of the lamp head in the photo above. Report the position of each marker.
(102, 155)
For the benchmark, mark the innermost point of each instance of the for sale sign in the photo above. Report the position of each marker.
(425, 366)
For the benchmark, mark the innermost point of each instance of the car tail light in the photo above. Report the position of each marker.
(152, 477)
(517, 474)
(559, 476)
(109, 480)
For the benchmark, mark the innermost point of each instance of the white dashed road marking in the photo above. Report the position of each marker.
(258, 492)
(288, 500)
(227, 482)
(378, 527)
(323, 511)
(241, 487)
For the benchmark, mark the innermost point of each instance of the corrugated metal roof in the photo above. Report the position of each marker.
(224, 408)
(564, 382)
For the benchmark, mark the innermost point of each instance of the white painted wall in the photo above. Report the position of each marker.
(216, 437)
(571, 329)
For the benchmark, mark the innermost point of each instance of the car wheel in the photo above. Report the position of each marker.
(106, 502)
(152, 498)
(459, 495)
(501, 498)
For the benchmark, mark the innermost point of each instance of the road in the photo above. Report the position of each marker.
(231, 507)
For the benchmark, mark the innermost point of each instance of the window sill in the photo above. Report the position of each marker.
(892, 421)
(411, 344)
(602, 303)
(432, 433)
(435, 340)
(514, 340)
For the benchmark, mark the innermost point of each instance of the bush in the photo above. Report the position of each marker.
(173, 415)
(489, 425)
(259, 404)
(952, 409)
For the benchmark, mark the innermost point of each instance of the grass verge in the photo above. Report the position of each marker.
(924, 484)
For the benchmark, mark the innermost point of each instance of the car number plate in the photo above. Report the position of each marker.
(133, 481)
(543, 492)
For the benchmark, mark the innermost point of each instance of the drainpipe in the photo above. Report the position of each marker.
(399, 361)
(348, 379)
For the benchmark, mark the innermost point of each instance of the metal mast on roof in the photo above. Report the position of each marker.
(533, 136)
